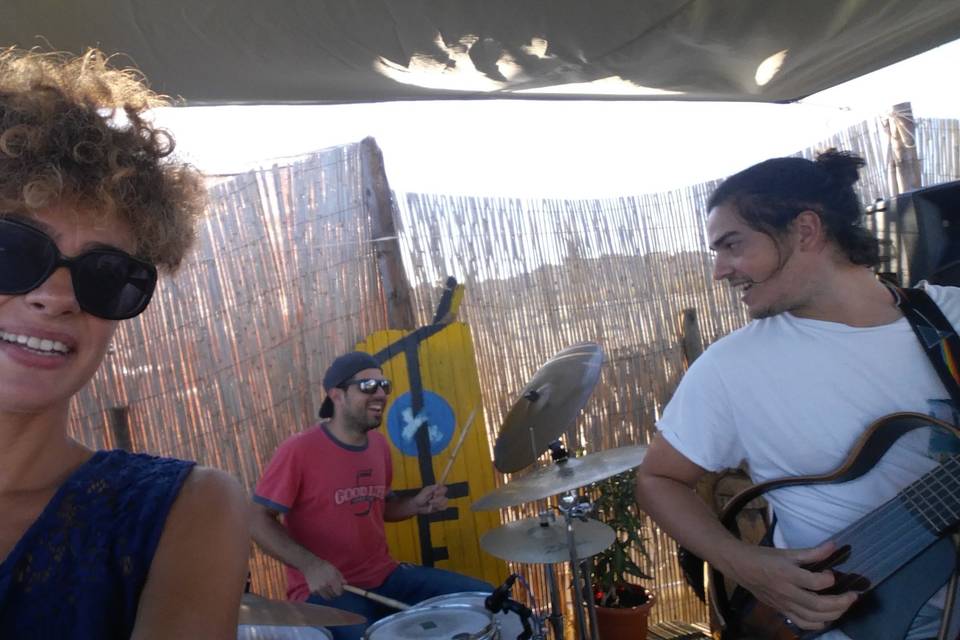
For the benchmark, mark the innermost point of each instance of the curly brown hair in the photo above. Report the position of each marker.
(73, 129)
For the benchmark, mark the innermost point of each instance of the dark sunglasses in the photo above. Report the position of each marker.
(368, 385)
(108, 283)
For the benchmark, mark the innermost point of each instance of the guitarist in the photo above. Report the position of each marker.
(827, 353)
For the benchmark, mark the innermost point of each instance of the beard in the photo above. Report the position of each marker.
(372, 423)
(764, 312)
(362, 419)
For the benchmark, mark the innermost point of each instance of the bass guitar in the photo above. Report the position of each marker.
(896, 556)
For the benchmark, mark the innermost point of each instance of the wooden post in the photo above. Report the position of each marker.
(379, 203)
(692, 340)
(904, 163)
(120, 428)
(692, 343)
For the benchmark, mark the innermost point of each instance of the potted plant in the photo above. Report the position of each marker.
(623, 605)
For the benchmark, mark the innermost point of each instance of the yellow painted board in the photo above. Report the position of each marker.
(451, 387)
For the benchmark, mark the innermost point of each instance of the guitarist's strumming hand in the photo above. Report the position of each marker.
(777, 578)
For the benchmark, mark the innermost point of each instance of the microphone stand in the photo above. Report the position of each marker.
(500, 600)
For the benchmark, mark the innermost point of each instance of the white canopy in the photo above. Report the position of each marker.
(333, 51)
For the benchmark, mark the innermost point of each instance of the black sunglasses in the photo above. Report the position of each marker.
(108, 283)
(368, 385)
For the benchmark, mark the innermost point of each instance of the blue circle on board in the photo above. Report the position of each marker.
(436, 415)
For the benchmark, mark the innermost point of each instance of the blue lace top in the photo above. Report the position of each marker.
(78, 571)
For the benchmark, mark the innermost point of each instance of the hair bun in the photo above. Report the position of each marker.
(843, 166)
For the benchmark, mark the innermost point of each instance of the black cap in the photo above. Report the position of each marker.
(341, 370)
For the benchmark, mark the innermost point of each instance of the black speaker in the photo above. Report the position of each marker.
(928, 234)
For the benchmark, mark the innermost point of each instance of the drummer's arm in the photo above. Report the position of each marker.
(430, 499)
(322, 577)
(197, 574)
(270, 534)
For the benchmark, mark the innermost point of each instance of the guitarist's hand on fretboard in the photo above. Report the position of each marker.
(788, 581)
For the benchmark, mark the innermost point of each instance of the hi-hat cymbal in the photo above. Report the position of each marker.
(560, 477)
(532, 541)
(255, 610)
(547, 406)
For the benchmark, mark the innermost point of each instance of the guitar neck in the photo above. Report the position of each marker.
(935, 498)
(874, 547)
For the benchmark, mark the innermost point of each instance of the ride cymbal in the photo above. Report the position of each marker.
(255, 610)
(547, 406)
(560, 477)
(536, 542)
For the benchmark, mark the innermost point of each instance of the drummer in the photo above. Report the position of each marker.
(331, 485)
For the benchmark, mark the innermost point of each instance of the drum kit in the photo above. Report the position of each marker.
(562, 532)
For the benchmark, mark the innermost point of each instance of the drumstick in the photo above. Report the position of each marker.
(389, 602)
(456, 449)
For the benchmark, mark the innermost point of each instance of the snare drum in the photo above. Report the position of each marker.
(442, 622)
(509, 622)
(277, 632)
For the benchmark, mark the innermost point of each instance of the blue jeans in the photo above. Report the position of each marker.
(408, 583)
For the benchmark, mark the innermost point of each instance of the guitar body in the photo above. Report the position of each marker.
(895, 578)
(883, 613)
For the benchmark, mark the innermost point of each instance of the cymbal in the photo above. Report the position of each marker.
(560, 477)
(279, 632)
(529, 540)
(256, 610)
(547, 406)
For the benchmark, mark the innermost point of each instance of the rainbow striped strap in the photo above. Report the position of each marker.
(935, 333)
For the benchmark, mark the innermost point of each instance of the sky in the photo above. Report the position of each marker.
(563, 149)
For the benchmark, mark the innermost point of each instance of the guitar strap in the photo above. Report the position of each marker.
(942, 345)
(936, 335)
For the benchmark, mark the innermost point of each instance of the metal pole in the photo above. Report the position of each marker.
(556, 610)
(591, 605)
(577, 582)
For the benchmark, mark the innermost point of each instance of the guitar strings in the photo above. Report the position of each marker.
(904, 521)
(902, 510)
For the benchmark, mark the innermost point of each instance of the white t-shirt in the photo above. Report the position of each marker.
(789, 396)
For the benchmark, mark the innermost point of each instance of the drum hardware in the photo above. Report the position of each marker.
(544, 539)
(508, 622)
(544, 410)
(556, 614)
(500, 600)
(572, 506)
(564, 476)
(494, 602)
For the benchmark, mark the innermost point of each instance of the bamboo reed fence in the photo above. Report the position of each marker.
(228, 361)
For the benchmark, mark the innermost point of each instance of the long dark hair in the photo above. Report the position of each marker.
(769, 195)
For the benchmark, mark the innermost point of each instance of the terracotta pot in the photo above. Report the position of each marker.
(629, 623)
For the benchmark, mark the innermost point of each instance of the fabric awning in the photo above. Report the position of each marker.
(338, 51)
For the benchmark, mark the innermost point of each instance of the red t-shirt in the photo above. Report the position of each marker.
(331, 496)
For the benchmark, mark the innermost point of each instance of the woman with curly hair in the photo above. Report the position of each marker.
(95, 544)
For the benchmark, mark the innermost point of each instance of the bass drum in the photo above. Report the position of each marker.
(508, 621)
(277, 632)
(442, 622)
